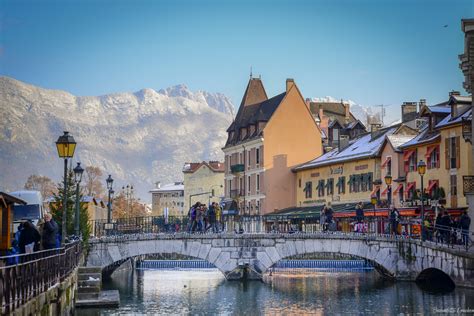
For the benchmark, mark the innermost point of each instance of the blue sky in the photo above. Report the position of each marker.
(372, 52)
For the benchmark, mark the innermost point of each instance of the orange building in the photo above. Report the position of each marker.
(266, 140)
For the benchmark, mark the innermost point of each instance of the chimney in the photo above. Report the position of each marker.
(409, 111)
(375, 130)
(343, 142)
(454, 93)
(421, 104)
(158, 184)
(347, 110)
(289, 83)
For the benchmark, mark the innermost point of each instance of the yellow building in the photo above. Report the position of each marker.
(203, 182)
(168, 200)
(96, 208)
(267, 139)
(346, 175)
(447, 154)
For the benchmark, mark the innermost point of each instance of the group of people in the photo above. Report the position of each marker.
(327, 218)
(447, 229)
(30, 238)
(203, 218)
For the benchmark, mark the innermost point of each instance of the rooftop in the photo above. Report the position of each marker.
(170, 187)
(191, 167)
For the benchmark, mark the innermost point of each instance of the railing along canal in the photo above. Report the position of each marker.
(23, 277)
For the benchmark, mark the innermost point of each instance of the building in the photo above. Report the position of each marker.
(346, 175)
(96, 208)
(335, 121)
(467, 67)
(268, 137)
(446, 152)
(168, 200)
(203, 181)
(6, 220)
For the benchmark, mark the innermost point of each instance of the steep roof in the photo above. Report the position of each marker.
(449, 120)
(425, 136)
(363, 147)
(191, 167)
(252, 114)
(254, 93)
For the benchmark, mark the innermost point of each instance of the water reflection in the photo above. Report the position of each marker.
(207, 292)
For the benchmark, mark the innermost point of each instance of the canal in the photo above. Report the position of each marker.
(284, 292)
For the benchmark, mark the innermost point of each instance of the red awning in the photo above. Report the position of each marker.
(407, 154)
(386, 161)
(384, 192)
(410, 186)
(400, 186)
(433, 183)
(374, 192)
(430, 150)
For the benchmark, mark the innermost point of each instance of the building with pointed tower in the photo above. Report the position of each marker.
(268, 137)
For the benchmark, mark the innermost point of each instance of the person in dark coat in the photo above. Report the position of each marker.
(359, 212)
(394, 220)
(29, 235)
(465, 222)
(50, 230)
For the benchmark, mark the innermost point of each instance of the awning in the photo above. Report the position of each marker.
(375, 190)
(400, 186)
(430, 150)
(410, 186)
(384, 192)
(432, 184)
(386, 161)
(407, 154)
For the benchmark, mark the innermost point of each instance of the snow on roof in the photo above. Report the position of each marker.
(398, 140)
(362, 147)
(448, 121)
(424, 136)
(176, 186)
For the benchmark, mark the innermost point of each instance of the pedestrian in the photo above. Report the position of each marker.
(218, 210)
(446, 224)
(50, 230)
(465, 222)
(212, 217)
(322, 218)
(199, 217)
(439, 231)
(359, 212)
(329, 218)
(29, 238)
(394, 220)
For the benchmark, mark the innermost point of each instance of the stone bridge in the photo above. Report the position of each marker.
(251, 255)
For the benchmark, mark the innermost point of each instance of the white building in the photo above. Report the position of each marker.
(168, 200)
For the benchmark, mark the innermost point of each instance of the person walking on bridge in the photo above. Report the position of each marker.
(50, 230)
(465, 222)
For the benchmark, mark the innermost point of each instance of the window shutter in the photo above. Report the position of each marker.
(458, 152)
(446, 153)
(439, 157)
(428, 160)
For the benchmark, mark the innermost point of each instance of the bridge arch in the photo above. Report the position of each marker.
(435, 280)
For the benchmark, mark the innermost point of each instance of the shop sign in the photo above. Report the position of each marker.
(337, 170)
(362, 167)
(315, 174)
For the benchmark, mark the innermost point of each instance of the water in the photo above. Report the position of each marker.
(199, 292)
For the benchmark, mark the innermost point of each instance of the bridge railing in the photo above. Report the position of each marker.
(23, 277)
(443, 235)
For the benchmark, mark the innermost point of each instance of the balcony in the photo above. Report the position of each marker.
(235, 194)
(468, 184)
(237, 168)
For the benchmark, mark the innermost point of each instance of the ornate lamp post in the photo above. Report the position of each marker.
(373, 201)
(421, 172)
(388, 182)
(110, 182)
(66, 146)
(77, 178)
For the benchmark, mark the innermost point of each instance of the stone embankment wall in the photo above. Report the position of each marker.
(57, 300)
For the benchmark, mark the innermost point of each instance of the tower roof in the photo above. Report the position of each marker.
(255, 93)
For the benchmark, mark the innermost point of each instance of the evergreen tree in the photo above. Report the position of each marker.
(57, 208)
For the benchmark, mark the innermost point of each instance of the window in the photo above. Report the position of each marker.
(356, 183)
(248, 162)
(370, 180)
(248, 188)
(389, 167)
(412, 162)
(330, 187)
(364, 183)
(433, 158)
(258, 182)
(257, 156)
(341, 185)
(452, 152)
(299, 183)
(321, 188)
(230, 186)
(308, 189)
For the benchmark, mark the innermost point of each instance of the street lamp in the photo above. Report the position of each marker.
(373, 201)
(213, 192)
(65, 146)
(110, 182)
(77, 178)
(388, 182)
(421, 171)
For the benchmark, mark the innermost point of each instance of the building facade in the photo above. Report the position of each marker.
(203, 182)
(266, 140)
(96, 207)
(168, 200)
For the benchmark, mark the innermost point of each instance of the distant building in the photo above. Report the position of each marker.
(268, 137)
(203, 182)
(336, 122)
(168, 200)
(96, 208)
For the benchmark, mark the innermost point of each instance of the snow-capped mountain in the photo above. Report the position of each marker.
(360, 112)
(138, 138)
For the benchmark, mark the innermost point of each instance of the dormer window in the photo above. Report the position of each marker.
(243, 133)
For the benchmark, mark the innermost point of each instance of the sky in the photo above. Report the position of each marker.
(371, 52)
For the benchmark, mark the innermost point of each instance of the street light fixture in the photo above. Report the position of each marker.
(66, 146)
(110, 182)
(421, 171)
(78, 171)
(388, 182)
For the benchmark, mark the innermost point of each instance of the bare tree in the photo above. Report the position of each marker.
(41, 183)
(92, 181)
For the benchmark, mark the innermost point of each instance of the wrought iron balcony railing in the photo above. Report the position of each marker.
(468, 184)
(237, 168)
